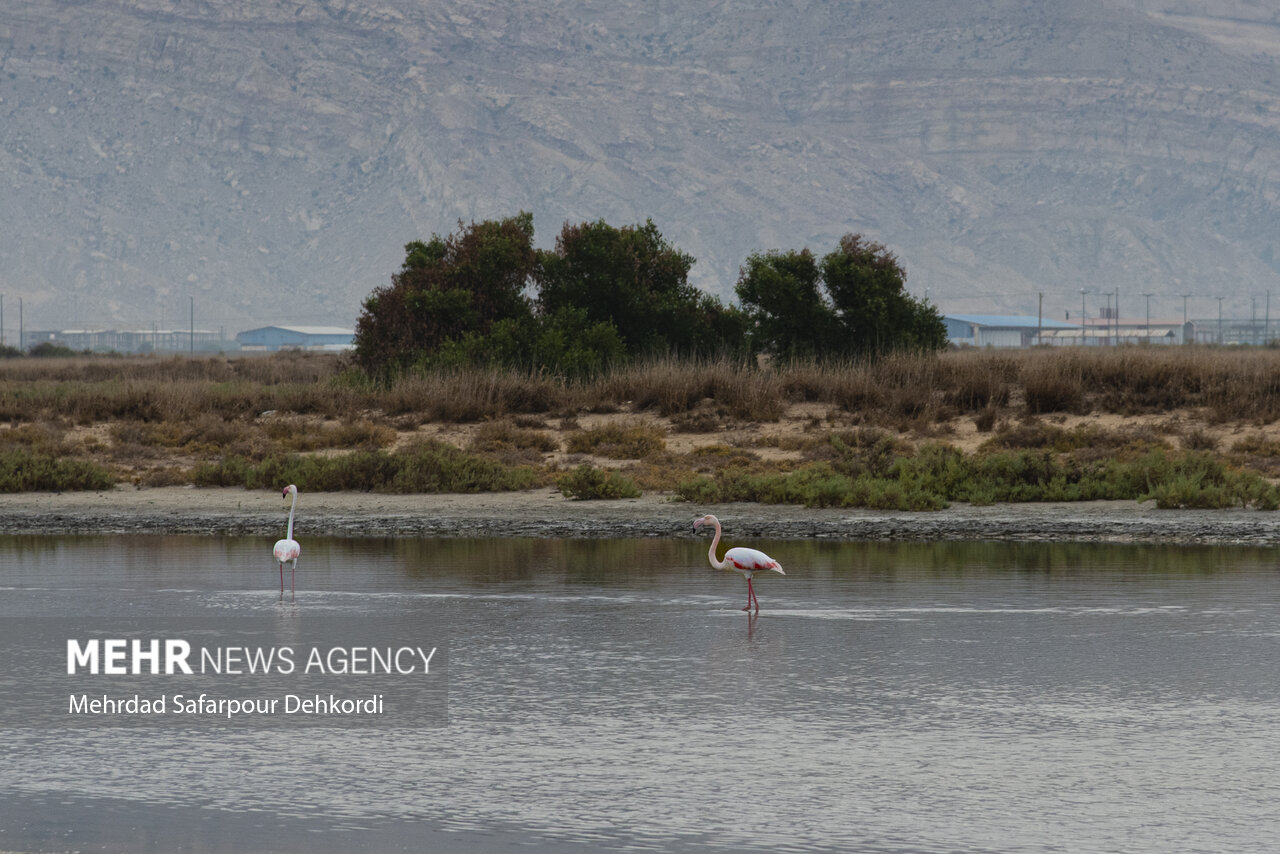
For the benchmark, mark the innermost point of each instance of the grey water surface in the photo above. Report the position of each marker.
(608, 694)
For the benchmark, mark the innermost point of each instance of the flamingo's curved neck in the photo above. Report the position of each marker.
(289, 536)
(711, 553)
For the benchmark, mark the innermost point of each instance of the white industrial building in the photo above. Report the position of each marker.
(129, 340)
(1000, 330)
(297, 338)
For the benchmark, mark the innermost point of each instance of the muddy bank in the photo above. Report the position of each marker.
(545, 513)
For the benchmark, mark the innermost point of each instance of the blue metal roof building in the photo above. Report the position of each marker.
(998, 330)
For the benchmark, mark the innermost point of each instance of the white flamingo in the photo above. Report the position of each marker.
(288, 548)
(742, 560)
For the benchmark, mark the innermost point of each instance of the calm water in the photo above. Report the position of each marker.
(609, 694)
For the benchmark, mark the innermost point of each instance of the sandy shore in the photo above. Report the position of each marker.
(545, 513)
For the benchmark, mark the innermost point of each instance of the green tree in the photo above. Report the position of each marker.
(867, 288)
(781, 293)
(568, 342)
(632, 278)
(721, 330)
(852, 303)
(449, 291)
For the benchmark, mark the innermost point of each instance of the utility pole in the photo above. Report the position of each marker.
(1107, 339)
(1184, 318)
(1040, 320)
(1253, 319)
(1083, 317)
(22, 344)
(193, 324)
(1219, 299)
(1116, 320)
(1147, 294)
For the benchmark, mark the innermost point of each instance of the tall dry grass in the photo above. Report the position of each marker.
(255, 419)
(1227, 384)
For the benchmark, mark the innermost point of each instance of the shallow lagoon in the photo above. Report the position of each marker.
(609, 694)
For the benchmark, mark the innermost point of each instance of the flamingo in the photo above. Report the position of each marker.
(742, 560)
(288, 548)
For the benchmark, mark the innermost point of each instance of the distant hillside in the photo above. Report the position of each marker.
(269, 159)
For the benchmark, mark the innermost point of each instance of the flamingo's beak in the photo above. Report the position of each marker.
(697, 523)
(285, 494)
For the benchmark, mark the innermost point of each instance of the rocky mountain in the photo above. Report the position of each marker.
(265, 161)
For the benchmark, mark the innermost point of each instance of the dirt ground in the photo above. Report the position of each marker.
(781, 439)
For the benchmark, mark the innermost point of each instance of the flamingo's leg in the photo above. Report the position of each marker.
(293, 568)
(750, 596)
(281, 576)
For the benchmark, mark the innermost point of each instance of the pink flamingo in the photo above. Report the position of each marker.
(288, 548)
(745, 561)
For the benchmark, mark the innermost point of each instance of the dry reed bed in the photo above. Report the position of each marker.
(166, 415)
(1227, 384)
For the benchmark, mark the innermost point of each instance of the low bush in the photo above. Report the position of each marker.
(45, 438)
(300, 435)
(935, 475)
(500, 436)
(619, 441)
(588, 482)
(23, 471)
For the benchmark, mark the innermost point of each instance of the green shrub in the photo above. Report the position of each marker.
(699, 490)
(21, 471)
(588, 482)
(499, 436)
(439, 467)
(934, 475)
(619, 442)
(1197, 480)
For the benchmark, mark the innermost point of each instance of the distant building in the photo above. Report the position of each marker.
(1000, 330)
(297, 338)
(130, 340)
(1258, 331)
(1112, 332)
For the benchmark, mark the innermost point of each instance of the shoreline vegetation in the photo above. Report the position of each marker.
(1187, 427)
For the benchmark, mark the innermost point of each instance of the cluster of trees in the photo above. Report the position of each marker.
(45, 349)
(485, 295)
(852, 302)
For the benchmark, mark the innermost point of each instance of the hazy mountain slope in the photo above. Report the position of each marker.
(270, 159)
